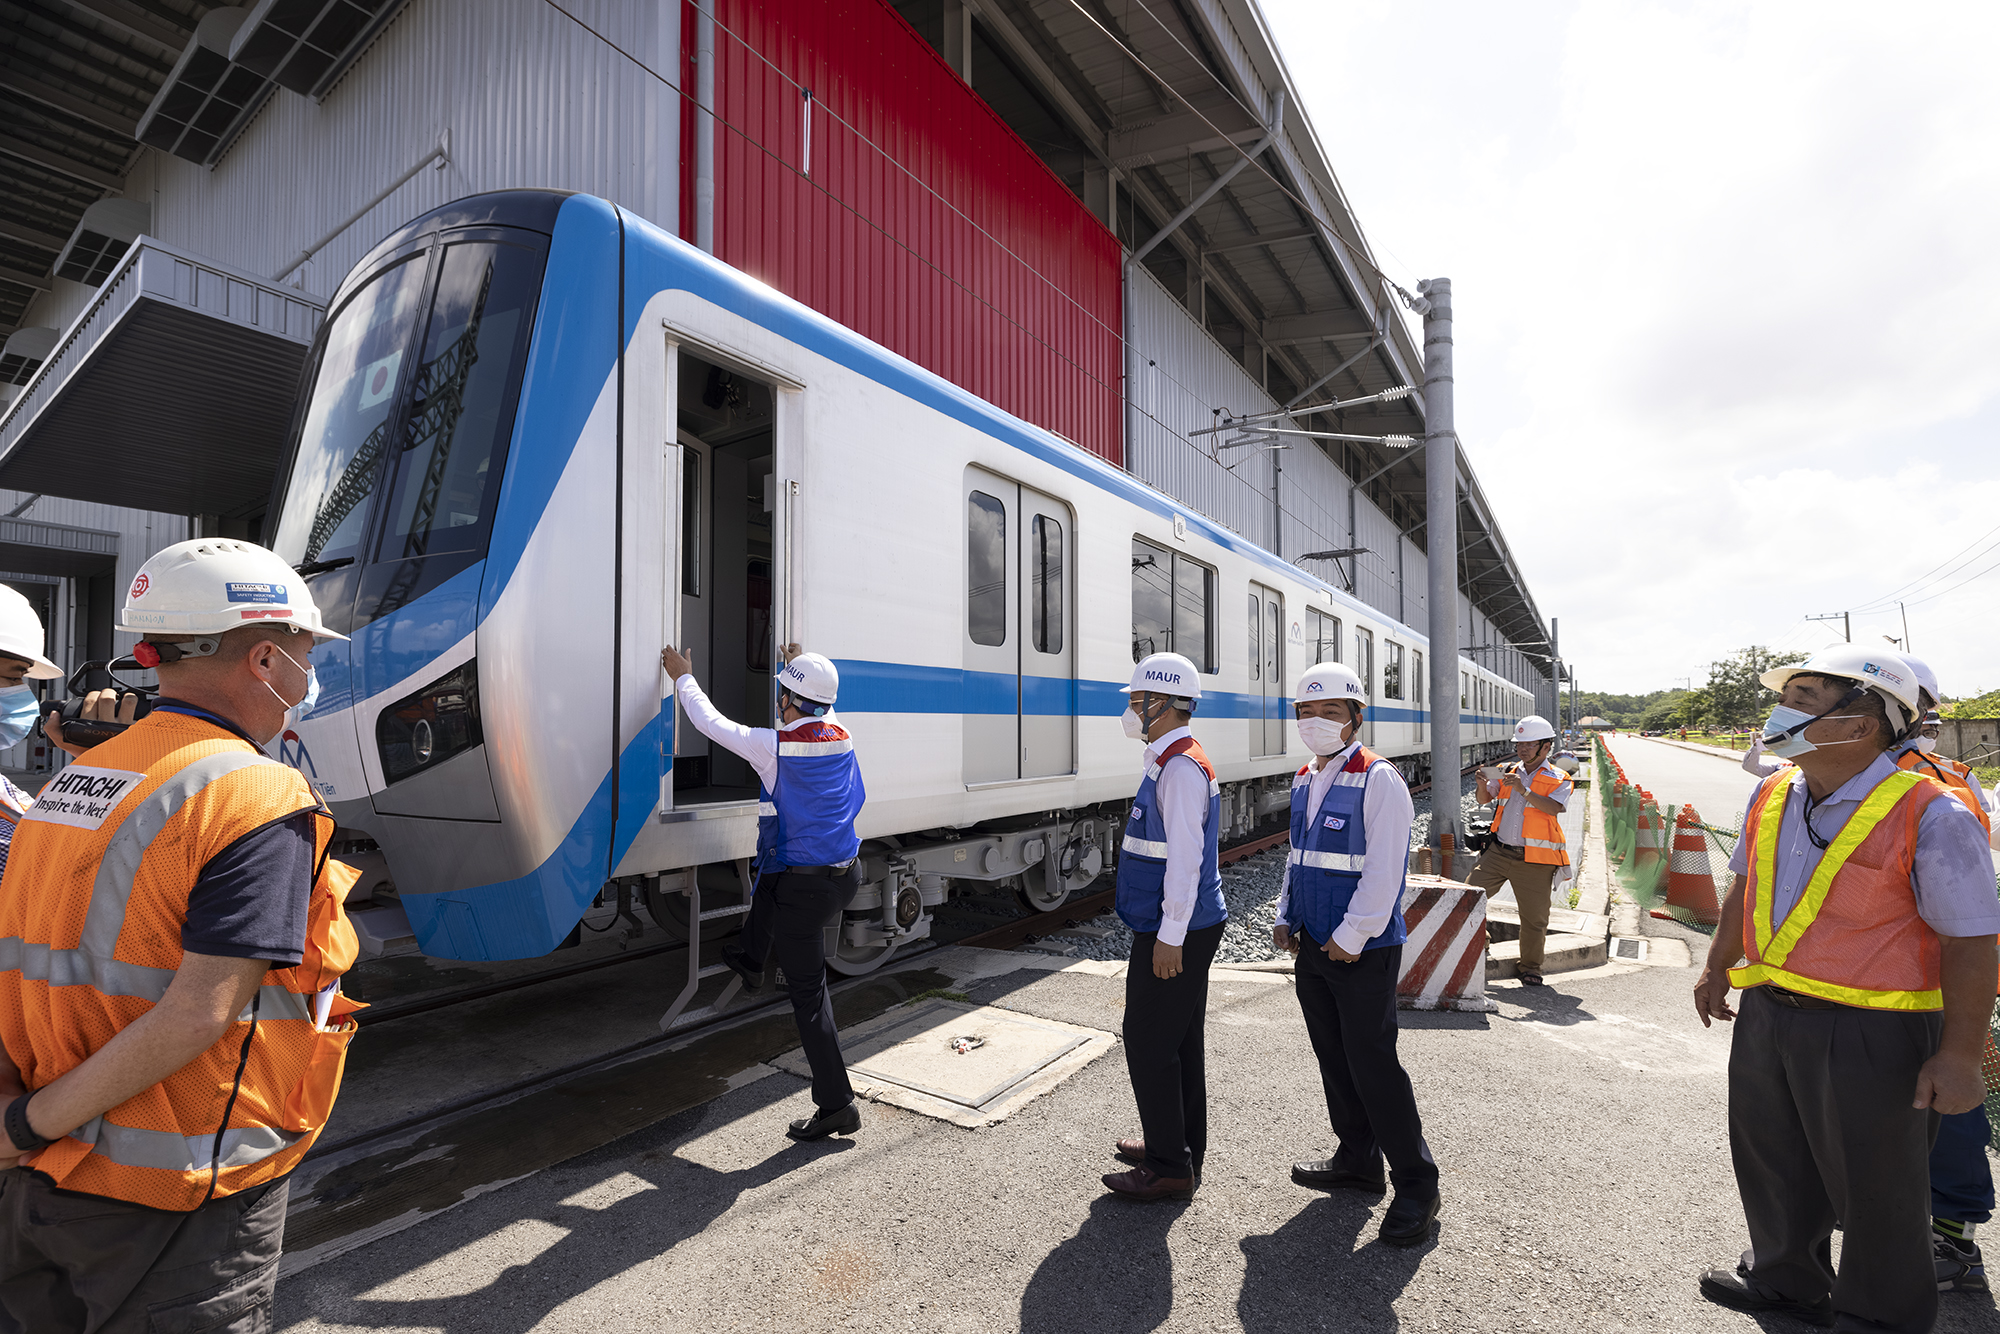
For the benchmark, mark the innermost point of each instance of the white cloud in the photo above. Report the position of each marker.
(1727, 300)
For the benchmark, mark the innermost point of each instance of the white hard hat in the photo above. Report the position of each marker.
(1329, 680)
(21, 634)
(1567, 762)
(1166, 674)
(1883, 672)
(811, 676)
(212, 585)
(1926, 678)
(1534, 727)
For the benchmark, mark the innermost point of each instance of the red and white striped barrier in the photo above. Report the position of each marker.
(1444, 959)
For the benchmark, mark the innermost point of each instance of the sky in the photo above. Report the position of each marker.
(1726, 297)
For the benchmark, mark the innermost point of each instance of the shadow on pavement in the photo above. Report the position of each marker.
(601, 1244)
(1464, 1021)
(1545, 1005)
(1113, 1277)
(1310, 1275)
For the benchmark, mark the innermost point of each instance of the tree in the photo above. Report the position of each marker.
(1982, 706)
(1736, 698)
(1663, 712)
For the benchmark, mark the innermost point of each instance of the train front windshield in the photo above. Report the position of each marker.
(396, 467)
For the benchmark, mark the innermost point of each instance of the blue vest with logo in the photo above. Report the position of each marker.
(1328, 852)
(1142, 856)
(806, 817)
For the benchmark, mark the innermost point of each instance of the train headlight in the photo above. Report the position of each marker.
(422, 730)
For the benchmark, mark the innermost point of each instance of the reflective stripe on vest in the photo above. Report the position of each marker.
(1542, 840)
(1329, 861)
(1769, 952)
(89, 942)
(1952, 775)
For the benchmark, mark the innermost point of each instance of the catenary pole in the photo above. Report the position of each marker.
(1441, 543)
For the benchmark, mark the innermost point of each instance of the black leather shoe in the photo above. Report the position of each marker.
(739, 964)
(1732, 1289)
(1408, 1222)
(821, 1124)
(1323, 1175)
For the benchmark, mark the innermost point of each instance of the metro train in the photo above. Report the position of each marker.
(539, 438)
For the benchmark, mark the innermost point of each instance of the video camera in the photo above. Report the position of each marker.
(1478, 834)
(87, 732)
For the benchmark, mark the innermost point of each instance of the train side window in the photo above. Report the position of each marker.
(1173, 600)
(1256, 637)
(1045, 536)
(986, 569)
(1392, 669)
(1364, 661)
(1324, 636)
(1463, 698)
(691, 522)
(1417, 682)
(1274, 644)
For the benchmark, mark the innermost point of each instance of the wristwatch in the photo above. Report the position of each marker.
(18, 1129)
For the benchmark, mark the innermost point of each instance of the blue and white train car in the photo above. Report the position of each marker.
(539, 439)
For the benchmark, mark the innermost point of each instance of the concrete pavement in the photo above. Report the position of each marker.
(1580, 1131)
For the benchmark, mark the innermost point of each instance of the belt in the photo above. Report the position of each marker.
(1521, 853)
(1799, 1001)
(824, 872)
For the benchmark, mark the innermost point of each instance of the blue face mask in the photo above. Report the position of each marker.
(1785, 732)
(18, 711)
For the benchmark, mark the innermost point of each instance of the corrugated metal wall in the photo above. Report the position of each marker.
(921, 219)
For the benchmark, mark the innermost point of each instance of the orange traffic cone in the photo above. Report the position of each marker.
(1690, 880)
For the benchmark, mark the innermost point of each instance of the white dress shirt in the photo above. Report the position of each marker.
(757, 745)
(1951, 868)
(1513, 798)
(1181, 795)
(1386, 814)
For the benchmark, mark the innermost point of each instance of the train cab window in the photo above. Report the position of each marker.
(336, 460)
(445, 469)
(985, 569)
(1172, 601)
(1045, 563)
(1392, 669)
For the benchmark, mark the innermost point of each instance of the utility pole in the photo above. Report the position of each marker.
(1441, 543)
(1846, 631)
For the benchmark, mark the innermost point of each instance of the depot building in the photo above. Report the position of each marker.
(1122, 230)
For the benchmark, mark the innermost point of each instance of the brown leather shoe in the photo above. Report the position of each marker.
(1132, 1150)
(1142, 1183)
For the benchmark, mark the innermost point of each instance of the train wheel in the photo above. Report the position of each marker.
(1036, 897)
(853, 960)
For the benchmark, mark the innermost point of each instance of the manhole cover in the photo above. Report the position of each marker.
(965, 1055)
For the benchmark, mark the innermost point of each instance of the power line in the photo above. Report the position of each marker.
(1889, 599)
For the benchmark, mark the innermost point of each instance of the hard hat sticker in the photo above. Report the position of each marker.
(140, 585)
(258, 593)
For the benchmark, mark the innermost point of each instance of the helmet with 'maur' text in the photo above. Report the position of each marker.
(1329, 680)
(811, 676)
(1167, 674)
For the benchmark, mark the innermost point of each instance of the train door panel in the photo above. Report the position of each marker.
(1364, 667)
(1267, 672)
(1420, 689)
(992, 637)
(722, 550)
(1048, 650)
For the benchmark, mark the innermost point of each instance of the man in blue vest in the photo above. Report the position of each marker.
(1170, 894)
(1340, 910)
(808, 867)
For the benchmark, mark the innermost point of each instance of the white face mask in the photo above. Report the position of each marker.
(1925, 744)
(1322, 736)
(301, 706)
(1134, 728)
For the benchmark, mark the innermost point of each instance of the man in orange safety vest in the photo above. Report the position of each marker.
(171, 941)
(1528, 850)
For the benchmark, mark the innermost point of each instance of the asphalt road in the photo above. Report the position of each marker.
(1580, 1132)
(1718, 787)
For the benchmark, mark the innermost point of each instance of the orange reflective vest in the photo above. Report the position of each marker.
(1955, 776)
(1541, 833)
(1854, 935)
(91, 910)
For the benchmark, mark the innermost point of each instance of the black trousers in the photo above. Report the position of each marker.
(788, 919)
(1165, 1050)
(72, 1263)
(1821, 1131)
(1350, 1013)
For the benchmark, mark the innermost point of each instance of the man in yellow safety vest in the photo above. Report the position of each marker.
(1861, 928)
(1528, 847)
